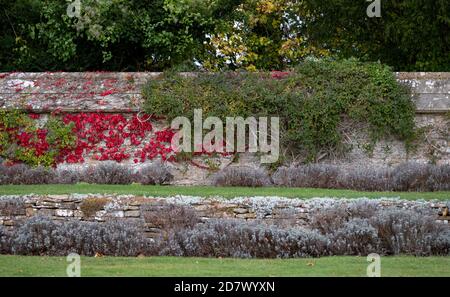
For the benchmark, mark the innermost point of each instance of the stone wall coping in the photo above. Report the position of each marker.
(423, 75)
(111, 74)
(120, 92)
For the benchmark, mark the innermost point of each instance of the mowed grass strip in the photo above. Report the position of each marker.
(179, 266)
(209, 191)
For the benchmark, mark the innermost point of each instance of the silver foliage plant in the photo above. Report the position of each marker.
(12, 206)
(348, 228)
(108, 172)
(359, 229)
(67, 176)
(5, 241)
(355, 237)
(409, 232)
(408, 176)
(221, 238)
(308, 176)
(41, 235)
(156, 173)
(242, 176)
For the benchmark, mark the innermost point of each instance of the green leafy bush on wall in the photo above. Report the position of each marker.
(22, 140)
(313, 101)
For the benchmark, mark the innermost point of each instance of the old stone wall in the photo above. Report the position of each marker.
(101, 208)
(107, 92)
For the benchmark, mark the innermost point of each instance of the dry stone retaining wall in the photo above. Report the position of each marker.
(129, 207)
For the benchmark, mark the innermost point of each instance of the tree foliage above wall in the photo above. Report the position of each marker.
(108, 35)
(263, 34)
(154, 35)
(410, 35)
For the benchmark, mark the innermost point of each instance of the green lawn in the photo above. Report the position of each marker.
(207, 191)
(177, 266)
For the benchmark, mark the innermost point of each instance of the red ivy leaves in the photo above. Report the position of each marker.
(164, 135)
(34, 116)
(159, 146)
(36, 141)
(60, 82)
(108, 135)
(104, 137)
(279, 74)
(107, 92)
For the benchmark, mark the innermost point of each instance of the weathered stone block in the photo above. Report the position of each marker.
(131, 207)
(46, 212)
(225, 206)
(201, 207)
(246, 216)
(29, 211)
(56, 198)
(8, 223)
(241, 210)
(64, 213)
(116, 214)
(47, 204)
(132, 214)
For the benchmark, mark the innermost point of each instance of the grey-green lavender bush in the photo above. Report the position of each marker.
(37, 176)
(411, 176)
(439, 179)
(12, 174)
(154, 174)
(21, 174)
(328, 219)
(242, 177)
(408, 176)
(407, 232)
(308, 176)
(225, 238)
(5, 241)
(42, 236)
(346, 228)
(4, 175)
(366, 178)
(355, 237)
(441, 243)
(169, 217)
(108, 172)
(67, 176)
(359, 227)
(12, 206)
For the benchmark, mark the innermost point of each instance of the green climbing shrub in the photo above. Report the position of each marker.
(313, 101)
(22, 139)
